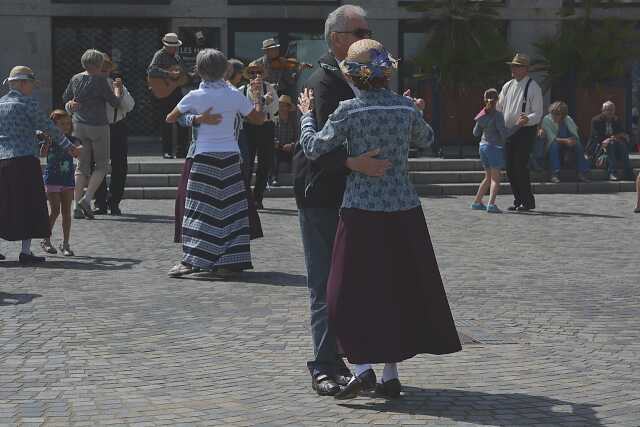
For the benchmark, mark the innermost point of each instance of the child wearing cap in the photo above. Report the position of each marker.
(490, 125)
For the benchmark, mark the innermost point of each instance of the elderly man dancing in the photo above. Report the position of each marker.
(23, 204)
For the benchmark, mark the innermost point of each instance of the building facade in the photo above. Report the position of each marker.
(50, 35)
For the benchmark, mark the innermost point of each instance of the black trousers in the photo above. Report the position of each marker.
(260, 143)
(517, 152)
(162, 108)
(119, 148)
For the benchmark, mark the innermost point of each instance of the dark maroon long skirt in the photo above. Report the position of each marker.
(254, 219)
(386, 298)
(23, 203)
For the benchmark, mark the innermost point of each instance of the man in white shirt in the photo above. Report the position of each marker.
(521, 104)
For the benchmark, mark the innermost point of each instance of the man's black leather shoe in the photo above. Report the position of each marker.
(525, 208)
(363, 382)
(513, 208)
(324, 385)
(99, 210)
(343, 378)
(390, 389)
(30, 258)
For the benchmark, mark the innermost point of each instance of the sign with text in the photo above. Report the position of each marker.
(194, 39)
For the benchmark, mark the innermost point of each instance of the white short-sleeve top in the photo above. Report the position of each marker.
(222, 98)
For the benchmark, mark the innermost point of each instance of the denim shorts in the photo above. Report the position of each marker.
(492, 156)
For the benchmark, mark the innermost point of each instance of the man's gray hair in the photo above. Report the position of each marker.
(337, 20)
(211, 64)
(92, 57)
(607, 105)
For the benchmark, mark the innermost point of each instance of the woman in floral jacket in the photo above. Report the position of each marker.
(385, 295)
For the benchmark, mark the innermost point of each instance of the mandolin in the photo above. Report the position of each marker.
(162, 87)
(283, 63)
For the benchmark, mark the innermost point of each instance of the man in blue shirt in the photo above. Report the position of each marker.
(23, 206)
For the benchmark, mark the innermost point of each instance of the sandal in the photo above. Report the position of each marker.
(179, 270)
(48, 247)
(66, 250)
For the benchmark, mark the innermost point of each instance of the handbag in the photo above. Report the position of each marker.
(601, 159)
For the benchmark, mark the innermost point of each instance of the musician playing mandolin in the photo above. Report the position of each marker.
(278, 70)
(168, 65)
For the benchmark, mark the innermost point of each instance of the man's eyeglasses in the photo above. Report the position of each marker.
(361, 33)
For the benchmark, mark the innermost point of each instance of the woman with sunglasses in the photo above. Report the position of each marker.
(385, 296)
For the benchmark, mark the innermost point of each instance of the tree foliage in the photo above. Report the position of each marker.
(465, 43)
(589, 50)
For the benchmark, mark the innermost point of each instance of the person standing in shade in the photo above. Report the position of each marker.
(521, 103)
(110, 198)
(23, 205)
(165, 64)
(319, 189)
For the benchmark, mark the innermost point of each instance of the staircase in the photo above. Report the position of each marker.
(151, 177)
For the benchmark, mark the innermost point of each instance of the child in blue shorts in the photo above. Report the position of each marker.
(490, 124)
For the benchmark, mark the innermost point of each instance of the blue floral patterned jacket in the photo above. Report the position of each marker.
(375, 119)
(20, 117)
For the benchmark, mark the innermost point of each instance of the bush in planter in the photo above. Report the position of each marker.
(465, 50)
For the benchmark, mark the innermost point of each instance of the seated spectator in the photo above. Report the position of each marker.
(286, 135)
(607, 131)
(560, 133)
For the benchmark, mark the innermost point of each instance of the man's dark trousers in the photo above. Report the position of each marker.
(118, 149)
(260, 140)
(162, 108)
(517, 152)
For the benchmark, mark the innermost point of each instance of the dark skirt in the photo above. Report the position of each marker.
(254, 218)
(23, 203)
(385, 295)
(215, 227)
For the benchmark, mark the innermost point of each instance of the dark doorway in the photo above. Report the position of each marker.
(130, 42)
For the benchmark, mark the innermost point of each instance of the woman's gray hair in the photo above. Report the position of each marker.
(337, 20)
(560, 108)
(92, 57)
(211, 64)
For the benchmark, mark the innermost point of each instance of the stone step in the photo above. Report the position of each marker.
(418, 178)
(456, 189)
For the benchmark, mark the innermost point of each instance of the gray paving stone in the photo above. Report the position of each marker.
(549, 300)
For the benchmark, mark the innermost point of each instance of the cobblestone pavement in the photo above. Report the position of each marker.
(549, 303)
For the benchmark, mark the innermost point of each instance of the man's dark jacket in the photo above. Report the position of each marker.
(320, 183)
(599, 128)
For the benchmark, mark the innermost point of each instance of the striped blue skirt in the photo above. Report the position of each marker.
(215, 226)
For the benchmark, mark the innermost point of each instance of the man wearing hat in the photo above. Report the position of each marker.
(23, 204)
(521, 104)
(284, 79)
(162, 61)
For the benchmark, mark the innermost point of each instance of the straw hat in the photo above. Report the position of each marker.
(286, 99)
(253, 66)
(20, 72)
(270, 44)
(520, 59)
(171, 40)
(368, 58)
